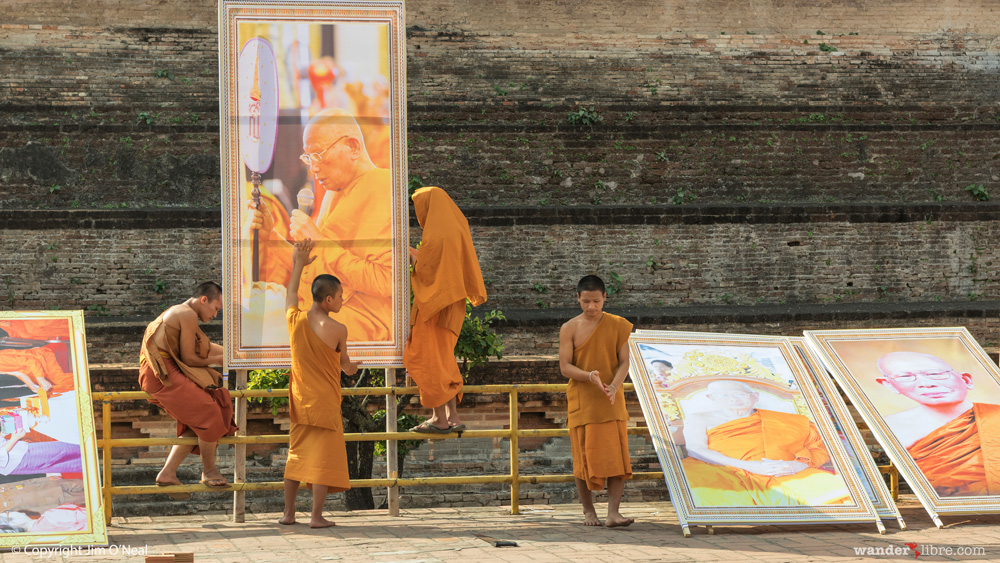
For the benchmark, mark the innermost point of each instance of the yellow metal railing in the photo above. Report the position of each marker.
(239, 485)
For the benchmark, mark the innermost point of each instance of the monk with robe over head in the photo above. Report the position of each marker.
(593, 354)
(317, 454)
(174, 369)
(352, 221)
(744, 456)
(954, 442)
(445, 274)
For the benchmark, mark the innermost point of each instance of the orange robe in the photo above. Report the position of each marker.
(597, 432)
(772, 435)
(317, 453)
(445, 275)
(35, 363)
(356, 247)
(206, 412)
(962, 457)
(37, 329)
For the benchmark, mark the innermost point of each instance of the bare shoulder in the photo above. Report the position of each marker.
(332, 332)
(180, 315)
(571, 326)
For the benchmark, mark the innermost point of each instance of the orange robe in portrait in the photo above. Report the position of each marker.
(206, 412)
(597, 432)
(356, 247)
(772, 435)
(37, 329)
(35, 363)
(962, 457)
(317, 453)
(445, 274)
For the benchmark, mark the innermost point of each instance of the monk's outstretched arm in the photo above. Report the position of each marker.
(300, 259)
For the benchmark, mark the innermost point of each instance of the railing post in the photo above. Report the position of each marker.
(240, 451)
(391, 450)
(515, 487)
(106, 434)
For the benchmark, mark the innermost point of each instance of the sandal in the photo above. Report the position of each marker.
(458, 428)
(427, 428)
(174, 496)
(209, 480)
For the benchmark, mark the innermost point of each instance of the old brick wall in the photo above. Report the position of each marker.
(129, 263)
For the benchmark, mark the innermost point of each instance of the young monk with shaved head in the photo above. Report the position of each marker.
(174, 369)
(593, 354)
(317, 454)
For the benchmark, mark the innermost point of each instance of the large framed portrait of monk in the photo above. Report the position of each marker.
(313, 146)
(931, 397)
(741, 432)
(847, 432)
(49, 481)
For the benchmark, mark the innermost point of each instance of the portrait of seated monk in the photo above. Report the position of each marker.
(947, 434)
(740, 455)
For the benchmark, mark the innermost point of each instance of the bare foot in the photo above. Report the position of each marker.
(320, 523)
(164, 479)
(287, 520)
(214, 478)
(590, 519)
(618, 521)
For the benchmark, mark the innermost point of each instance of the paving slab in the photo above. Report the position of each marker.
(544, 534)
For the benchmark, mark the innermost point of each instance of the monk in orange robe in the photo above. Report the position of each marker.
(317, 454)
(354, 227)
(445, 274)
(954, 442)
(174, 369)
(593, 354)
(744, 456)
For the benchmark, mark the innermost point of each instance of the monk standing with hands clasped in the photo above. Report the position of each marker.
(317, 454)
(593, 354)
(445, 273)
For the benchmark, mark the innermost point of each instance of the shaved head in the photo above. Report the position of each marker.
(728, 386)
(329, 125)
(900, 361)
(336, 147)
(208, 289)
(324, 286)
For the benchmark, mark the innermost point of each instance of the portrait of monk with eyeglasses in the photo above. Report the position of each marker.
(954, 441)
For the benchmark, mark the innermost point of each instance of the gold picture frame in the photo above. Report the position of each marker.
(49, 476)
(313, 133)
(942, 369)
(766, 378)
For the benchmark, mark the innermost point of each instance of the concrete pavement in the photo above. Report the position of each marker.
(543, 533)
